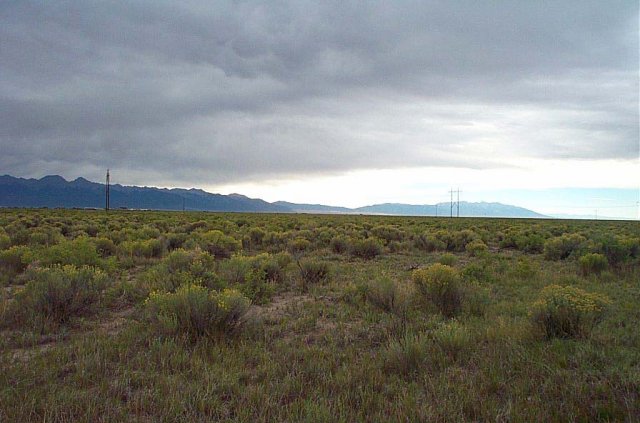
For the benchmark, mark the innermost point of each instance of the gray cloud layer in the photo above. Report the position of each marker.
(211, 92)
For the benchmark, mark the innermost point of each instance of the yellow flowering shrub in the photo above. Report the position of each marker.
(567, 311)
(440, 284)
(194, 311)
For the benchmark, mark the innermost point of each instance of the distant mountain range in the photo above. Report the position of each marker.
(441, 209)
(54, 191)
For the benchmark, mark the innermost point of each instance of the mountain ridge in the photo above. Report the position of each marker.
(55, 191)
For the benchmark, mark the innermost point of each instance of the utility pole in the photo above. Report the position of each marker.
(436, 209)
(458, 204)
(182, 203)
(106, 203)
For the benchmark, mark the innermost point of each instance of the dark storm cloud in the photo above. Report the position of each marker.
(210, 92)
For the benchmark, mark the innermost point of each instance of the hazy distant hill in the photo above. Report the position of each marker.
(442, 209)
(55, 191)
(313, 208)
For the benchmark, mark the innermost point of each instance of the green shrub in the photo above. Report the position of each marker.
(218, 244)
(561, 247)
(276, 241)
(530, 243)
(632, 245)
(256, 235)
(257, 287)
(614, 249)
(150, 248)
(477, 272)
(476, 248)
(429, 243)
(387, 295)
(339, 244)
(366, 248)
(440, 284)
(524, 269)
(15, 260)
(313, 272)
(273, 266)
(194, 311)
(92, 230)
(298, 246)
(235, 269)
(567, 311)
(180, 267)
(5, 242)
(593, 263)
(105, 247)
(176, 240)
(460, 239)
(53, 296)
(78, 252)
(44, 236)
(448, 259)
(388, 233)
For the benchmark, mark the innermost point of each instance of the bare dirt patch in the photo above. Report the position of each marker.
(115, 322)
(280, 306)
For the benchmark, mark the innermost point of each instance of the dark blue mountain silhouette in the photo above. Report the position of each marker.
(55, 191)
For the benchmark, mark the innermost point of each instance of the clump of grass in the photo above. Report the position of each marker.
(451, 341)
(52, 296)
(313, 272)
(446, 344)
(567, 311)
(387, 295)
(441, 285)
(477, 272)
(194, 311)
(593, 263)
(448, 259)
(407, 355)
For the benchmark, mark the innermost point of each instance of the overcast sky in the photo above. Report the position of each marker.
(345, 103)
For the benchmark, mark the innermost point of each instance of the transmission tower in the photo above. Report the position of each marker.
(457, 202)
(106, 192)
(451, 203)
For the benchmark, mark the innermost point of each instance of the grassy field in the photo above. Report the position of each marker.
(168, 316)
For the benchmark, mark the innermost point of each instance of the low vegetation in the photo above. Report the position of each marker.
(170, 316)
